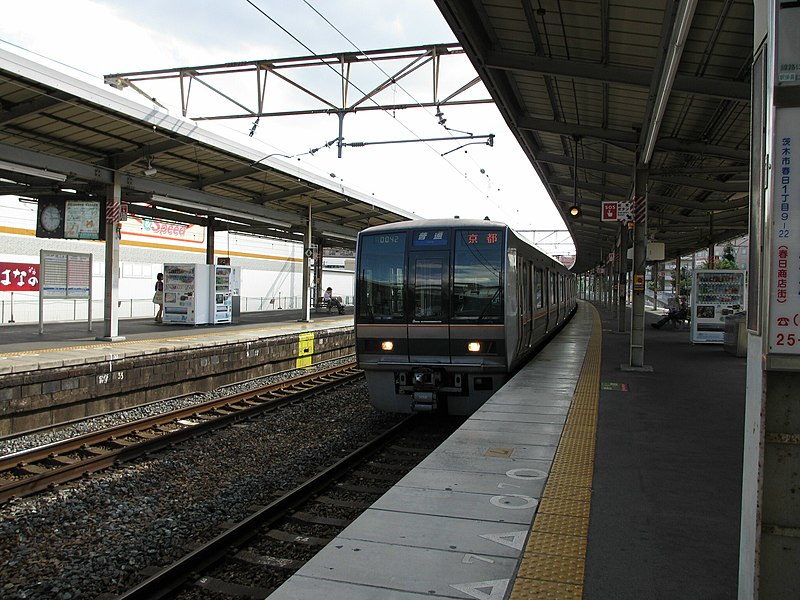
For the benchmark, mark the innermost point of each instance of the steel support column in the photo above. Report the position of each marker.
(111, 292)
(638, 271)
(656, 278)
(622, 274)
(307, 253)
(769, 547)
(318, 264)
(210, 241)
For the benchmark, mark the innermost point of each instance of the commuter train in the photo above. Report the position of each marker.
(447, 309)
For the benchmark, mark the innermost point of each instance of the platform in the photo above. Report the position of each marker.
(576, 480)
(24, 338)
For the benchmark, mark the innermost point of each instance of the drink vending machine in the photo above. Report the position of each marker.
(222, 294)
(716, 294)
(196, 294)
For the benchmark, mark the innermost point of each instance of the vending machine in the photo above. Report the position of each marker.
(715, 295)
(222, 300)
(186, 294)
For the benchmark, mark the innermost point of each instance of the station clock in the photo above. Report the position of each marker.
(50, 222)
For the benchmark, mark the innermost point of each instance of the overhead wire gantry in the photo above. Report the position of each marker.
(241, 103)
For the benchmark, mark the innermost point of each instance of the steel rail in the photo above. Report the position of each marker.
(107, 448)
(164, 583)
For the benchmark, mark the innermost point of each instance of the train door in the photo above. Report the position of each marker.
(547, 302)
(525, 309)
(428, 330)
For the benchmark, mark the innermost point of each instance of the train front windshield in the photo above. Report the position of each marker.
(381, 277)
(470, 291)
(477, 282)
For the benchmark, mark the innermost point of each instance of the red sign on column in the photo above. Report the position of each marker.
(609, 211)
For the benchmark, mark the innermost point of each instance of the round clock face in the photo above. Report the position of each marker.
(51, 218)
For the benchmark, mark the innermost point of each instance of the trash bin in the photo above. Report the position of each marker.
(235, 309)
(735, 340)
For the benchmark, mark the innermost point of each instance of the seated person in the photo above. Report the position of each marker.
(675, 315)
(331, 300)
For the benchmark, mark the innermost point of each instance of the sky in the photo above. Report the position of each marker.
(91, 38)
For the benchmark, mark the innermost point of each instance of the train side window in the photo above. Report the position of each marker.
(538, 283)
(381, 276)
(525, 282)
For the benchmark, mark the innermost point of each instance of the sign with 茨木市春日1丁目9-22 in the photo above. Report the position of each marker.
(784, 293)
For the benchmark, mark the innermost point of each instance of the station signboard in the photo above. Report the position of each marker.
(783, 322)
(617, 211)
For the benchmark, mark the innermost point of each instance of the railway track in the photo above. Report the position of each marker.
(253, 557)
(32, 471)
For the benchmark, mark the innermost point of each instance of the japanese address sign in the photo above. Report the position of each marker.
(784, 194)
(19, 277)
(784, 323)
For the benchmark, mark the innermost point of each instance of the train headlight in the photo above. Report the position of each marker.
(474, 346)
(387, 346)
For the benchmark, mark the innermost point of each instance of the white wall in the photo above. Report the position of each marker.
(269, 268)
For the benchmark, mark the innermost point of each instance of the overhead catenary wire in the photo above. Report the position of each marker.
(438, 115)
(347, 79)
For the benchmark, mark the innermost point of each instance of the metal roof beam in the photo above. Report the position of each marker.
(653, 199)
(334, 206)
(165, 215)
(713, 185)
(540, 65)
(358, 217)
(287, 193)
(689, 147)
(103, 175)
(222, 177)
(572, 129)
(35, 106)
(593, 165)
(123, 159)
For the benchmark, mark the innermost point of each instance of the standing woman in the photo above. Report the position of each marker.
(158, 297)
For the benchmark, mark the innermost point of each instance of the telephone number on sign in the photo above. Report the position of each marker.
(786, 339)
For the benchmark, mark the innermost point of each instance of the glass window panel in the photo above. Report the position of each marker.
(428, 289)
(381, 276)
(477, 275)
(539, 285)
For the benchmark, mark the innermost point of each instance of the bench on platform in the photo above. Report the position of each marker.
(324, 306)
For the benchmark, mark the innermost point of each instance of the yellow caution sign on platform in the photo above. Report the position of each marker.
(305, 349)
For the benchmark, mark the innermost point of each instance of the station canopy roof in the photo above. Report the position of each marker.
(58, 132)
(619, 83)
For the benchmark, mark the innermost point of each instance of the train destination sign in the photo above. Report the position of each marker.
(431, 238)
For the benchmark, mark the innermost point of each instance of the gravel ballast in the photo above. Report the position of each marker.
(96, 535)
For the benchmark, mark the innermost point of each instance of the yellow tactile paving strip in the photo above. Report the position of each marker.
(553, 562)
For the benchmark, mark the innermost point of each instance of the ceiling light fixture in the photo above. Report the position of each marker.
(339, 236)
(209, 210)
(150, 170)
(25, 170)
(682, 25)
(575, 209)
